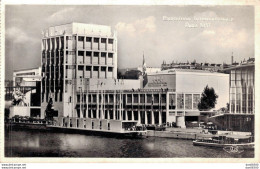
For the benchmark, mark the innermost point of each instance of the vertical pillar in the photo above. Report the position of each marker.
(97, 110)
(133, 117)
(102, 106)
(235, 94)
(106, 44)
(120, 112)
(84, 43)
(152, 114)
(246, 99)
(160, 117)
(126, 115)
(114, 106)
(145, 117)
(108, 114)
(91, 113)
(139, 117)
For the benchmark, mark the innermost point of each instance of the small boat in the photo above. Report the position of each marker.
(226, 141)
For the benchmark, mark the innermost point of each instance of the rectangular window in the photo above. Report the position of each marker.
(110, 69)
(88, 39)
(81, 38)
(110, 41)
(110, 55)
(129, 98)
(180, 101)
(88, 53)
(196, 99)
(188, 101)
(96, 40)
(94, 98)
(103, 40)
(149, 98)
(172, 101)
(96, 54)
(103, 54)
(142, 98)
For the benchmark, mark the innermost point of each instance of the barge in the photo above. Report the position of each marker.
(122, 128)
(102, 127)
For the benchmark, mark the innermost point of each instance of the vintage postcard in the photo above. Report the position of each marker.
(129, 82)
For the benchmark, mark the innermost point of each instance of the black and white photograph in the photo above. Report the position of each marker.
(129, 81)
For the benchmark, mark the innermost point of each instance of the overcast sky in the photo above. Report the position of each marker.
(139, 28)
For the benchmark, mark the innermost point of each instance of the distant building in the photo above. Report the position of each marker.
(26, 82)
(26, 77)
(194, 65)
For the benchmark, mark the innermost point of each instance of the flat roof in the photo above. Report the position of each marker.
(18, 70)
(240, 66)
(174, 71)
(71, 23)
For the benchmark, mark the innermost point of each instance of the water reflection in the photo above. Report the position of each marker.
(44, 144)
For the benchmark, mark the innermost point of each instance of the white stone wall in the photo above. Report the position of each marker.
(188, 82)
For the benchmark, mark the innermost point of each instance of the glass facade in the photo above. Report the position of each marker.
(242, 90)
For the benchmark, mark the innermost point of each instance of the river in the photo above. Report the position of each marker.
(32, 143)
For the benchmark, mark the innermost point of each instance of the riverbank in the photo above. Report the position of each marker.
(188, 133)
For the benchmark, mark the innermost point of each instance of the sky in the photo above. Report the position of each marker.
(162, 33)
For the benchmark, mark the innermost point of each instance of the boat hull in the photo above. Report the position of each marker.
(107, 133)
(218, 145)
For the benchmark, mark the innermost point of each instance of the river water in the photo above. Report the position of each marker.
(29, 143)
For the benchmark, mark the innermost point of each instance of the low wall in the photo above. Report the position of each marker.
(167, 134)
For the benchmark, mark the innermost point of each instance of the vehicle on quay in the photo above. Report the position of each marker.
(224, 141)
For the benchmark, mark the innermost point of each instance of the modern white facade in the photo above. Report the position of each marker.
(72, 54)
(27, 77)
(185, 87)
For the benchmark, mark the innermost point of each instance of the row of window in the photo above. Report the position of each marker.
(191, 101)
(58, 43)
(187, 101)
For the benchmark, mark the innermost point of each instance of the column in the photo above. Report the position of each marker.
(97, 110)
(246, 99)
(160, 117)
(139, 117)
(84, 43)
(145, 117)
(126, 115)
(152, 114)
(133, 117)
(120, 112)
(114, 106)
(108, 114)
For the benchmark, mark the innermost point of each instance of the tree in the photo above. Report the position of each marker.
(208, 99)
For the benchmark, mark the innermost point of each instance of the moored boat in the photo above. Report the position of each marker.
(226, 141)
(104, 127)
